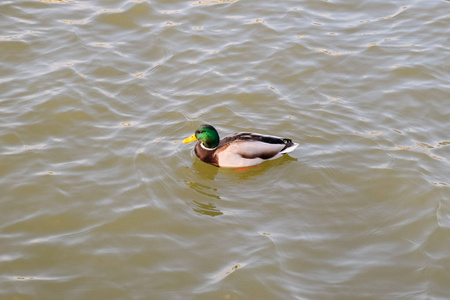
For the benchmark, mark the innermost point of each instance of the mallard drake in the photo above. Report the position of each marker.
(238, 150)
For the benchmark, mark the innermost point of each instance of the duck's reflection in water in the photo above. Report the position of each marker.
(204, 182)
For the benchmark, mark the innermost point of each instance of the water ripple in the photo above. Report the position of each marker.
(101, 200)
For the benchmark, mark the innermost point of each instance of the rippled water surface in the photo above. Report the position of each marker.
(99, 200)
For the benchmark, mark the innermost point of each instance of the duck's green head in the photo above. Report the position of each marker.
(207, 135)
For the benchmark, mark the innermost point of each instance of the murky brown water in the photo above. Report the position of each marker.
(98, 201)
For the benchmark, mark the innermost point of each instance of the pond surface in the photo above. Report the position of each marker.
(99, 200)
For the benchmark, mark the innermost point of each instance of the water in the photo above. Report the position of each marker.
(99, 201)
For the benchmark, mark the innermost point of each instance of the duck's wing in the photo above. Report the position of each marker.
(244, 148)
(249, 140)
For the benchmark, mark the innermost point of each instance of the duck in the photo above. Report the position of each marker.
(238, 150)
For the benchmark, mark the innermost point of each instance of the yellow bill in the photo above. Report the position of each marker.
(190, 139)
